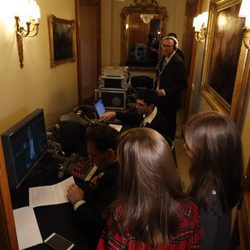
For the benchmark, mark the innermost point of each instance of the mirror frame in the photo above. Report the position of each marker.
(141, 7)
(214, 99)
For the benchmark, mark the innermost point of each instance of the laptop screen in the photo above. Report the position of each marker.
(99, 106)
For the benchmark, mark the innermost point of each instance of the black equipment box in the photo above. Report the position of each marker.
(112, 98)
(121, 82)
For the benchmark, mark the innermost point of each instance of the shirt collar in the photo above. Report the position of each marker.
(150, 118)
(168, 58)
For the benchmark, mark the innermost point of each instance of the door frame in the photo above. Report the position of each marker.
(7, 224)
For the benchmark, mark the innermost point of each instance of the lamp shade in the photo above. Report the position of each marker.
(204, 18)
(245, 8)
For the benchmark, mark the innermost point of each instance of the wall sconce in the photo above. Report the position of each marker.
(27, 25)
(245, 12)
(200, 27)
(146, 18)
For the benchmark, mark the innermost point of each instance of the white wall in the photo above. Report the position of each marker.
(37, 85)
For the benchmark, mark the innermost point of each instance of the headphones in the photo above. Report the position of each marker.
(172, 38)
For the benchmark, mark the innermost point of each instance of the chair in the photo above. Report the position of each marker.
(142, 82)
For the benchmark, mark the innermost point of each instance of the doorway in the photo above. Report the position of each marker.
(88, 27)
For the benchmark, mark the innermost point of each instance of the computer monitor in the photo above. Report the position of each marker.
(24, 144)
(100, 108)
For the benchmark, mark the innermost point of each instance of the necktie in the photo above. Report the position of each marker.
(164, 64)
(142, 124)
(162, 68)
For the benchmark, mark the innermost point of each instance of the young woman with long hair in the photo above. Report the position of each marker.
(213, 145)
(151, 211)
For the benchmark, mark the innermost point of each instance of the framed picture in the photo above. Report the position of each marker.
(225, 64)
(62, 40)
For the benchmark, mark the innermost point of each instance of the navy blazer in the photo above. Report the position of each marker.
(133, 119)
(173, 79)
(90, 214)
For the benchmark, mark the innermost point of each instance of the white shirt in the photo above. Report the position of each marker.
(78, 204)
(149, 118)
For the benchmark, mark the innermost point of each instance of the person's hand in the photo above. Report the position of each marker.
(160, 92)
(74, 194)
(107, 116)
(94, 181)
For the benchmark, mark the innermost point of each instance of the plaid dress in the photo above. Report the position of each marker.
(189, 237)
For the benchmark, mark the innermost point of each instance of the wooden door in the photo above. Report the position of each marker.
(88, 47)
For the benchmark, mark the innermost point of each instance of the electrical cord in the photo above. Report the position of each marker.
(55, 149)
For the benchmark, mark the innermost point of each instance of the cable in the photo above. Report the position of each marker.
(55, 149)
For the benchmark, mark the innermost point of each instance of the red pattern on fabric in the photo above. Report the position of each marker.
(189, 237)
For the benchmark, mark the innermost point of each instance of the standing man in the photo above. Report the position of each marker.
(171, 79)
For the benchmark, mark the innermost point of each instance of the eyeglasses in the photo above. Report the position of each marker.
(166, 46)
(140, 105)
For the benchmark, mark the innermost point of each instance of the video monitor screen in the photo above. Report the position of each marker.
(24, 144)
(99, 106)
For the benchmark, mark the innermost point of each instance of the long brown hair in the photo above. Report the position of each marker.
(149, 186)
(216, 158)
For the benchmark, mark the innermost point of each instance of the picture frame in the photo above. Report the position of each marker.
(62, 40)
(226, 60)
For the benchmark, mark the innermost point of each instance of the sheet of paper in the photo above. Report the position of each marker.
(28, 233)
(50, 195)
(116, 126)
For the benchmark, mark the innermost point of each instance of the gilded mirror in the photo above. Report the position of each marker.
(142, 27)
(226, 61)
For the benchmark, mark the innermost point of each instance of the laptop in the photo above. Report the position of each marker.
(100, 109)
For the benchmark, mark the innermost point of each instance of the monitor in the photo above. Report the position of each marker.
(99, 106)
(24, 144)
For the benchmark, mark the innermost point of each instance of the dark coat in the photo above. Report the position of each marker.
(216, 225)
(173, 80)
(90, 215)
(132, 119)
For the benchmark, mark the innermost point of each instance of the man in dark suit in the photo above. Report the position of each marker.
(145, 114)
(90, 201)
(171, 79)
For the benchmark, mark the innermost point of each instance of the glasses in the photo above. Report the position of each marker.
(140, 105)
(166, 46)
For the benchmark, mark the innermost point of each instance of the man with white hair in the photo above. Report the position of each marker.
(171, 79)
(178, 51)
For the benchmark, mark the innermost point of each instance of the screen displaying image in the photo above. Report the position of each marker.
(24, 144)
(100, 109)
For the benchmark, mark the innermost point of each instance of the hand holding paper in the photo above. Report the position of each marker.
(50, 195)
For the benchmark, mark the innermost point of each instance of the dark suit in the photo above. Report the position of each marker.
(173, 79)
(133, 119)
(90, 215)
